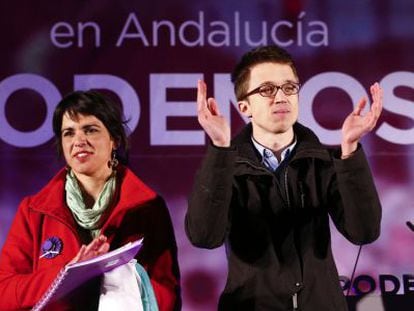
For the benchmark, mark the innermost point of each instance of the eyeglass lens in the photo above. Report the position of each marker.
(269, 90)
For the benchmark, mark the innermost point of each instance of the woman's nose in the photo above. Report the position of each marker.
(80, 139)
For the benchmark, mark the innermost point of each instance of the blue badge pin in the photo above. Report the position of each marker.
(51, 247)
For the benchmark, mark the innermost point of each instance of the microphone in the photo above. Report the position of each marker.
(410, 225)
(354, 269)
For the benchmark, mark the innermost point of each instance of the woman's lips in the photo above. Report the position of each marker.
(82, 155)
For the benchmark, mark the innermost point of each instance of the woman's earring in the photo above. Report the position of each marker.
(114, 161)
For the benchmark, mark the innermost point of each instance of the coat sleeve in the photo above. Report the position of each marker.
(356, 208)
(20, 286)
(207, 217)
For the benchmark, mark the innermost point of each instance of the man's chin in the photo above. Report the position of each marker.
(282, 128)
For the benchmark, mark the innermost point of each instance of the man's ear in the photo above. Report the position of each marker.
(244, 108)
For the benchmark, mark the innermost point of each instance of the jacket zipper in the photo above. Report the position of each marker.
(302, 195)
(286, 187)
(285, 179)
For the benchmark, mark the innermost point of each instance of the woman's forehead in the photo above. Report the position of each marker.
(79, 118)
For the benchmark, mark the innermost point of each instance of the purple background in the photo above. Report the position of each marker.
(367, 41)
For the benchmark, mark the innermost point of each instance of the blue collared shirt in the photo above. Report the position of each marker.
(268, 157)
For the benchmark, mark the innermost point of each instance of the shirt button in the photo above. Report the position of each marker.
(268, 153)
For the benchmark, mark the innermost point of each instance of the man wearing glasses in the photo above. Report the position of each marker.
(268, 193)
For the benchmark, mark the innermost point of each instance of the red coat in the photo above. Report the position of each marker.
(139, 212)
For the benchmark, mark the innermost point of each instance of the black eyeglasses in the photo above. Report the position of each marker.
(270, 89)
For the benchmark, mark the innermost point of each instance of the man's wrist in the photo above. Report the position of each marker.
(221, 144)
(347, 150)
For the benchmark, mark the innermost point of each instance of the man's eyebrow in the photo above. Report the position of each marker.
(283, 82)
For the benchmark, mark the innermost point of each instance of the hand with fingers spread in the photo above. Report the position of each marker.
(97, 247)
(357, 125)
(210, 119)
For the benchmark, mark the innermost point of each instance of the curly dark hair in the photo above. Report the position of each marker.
(95, 104)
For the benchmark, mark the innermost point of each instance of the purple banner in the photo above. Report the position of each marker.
(149, 55)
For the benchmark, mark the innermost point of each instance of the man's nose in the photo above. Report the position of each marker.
(279, 96)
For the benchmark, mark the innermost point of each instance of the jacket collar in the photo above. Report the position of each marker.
(308, 145)
(51, 199)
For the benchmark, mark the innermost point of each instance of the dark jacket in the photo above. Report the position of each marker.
(275, 226)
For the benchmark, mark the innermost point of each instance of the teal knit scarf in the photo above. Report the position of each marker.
(88, 218)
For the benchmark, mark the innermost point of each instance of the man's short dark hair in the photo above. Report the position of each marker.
(265, 54)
